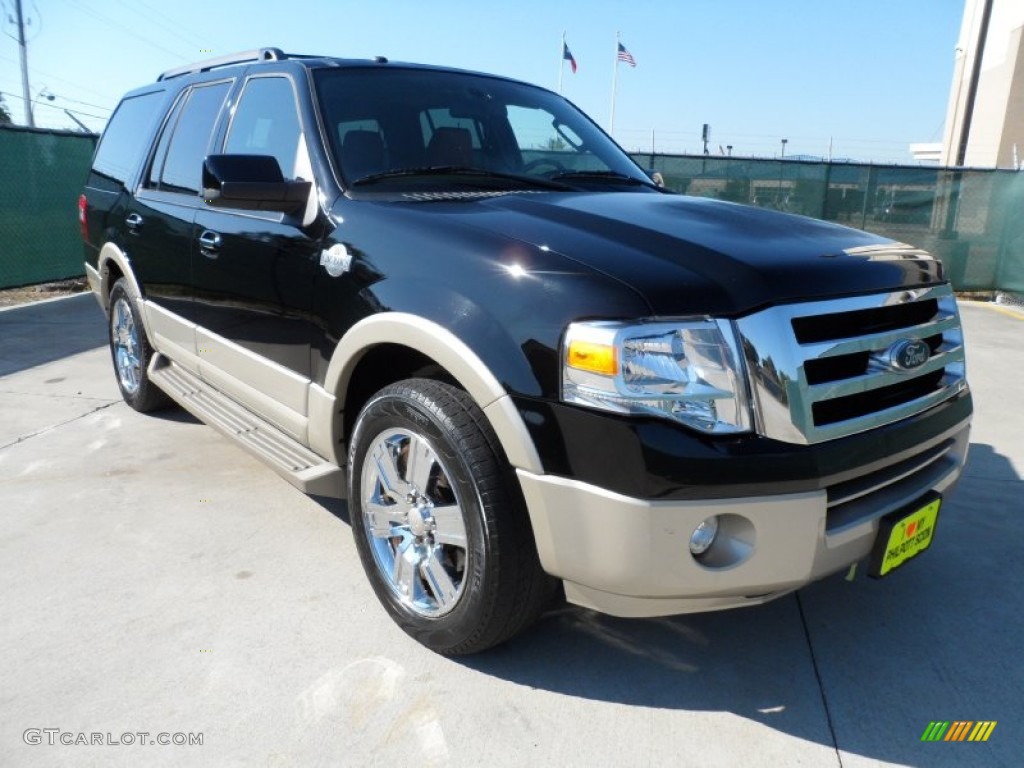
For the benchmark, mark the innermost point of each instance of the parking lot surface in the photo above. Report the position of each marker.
(156, 579)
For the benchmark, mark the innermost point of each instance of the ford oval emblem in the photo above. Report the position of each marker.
(908, 354)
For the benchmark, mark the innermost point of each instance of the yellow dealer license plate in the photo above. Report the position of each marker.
(901, 536)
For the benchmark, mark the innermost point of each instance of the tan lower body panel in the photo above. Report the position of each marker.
(631, 557)
(276, 393)
(171, 335)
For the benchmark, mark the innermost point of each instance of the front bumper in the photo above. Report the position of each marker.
(629, 556)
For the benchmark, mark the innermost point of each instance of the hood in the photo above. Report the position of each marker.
(688, 255)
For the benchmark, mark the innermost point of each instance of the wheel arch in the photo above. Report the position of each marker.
(415, 346)
(112, 265)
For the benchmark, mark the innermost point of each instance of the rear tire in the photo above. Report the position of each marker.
(131, 352)
(439, 521)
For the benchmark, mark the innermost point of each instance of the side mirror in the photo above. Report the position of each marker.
(251, 183)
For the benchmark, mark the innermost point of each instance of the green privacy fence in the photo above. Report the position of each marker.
(41, 176)
(971, 219)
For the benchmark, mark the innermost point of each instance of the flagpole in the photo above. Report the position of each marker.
(615, 78)
(561, 63)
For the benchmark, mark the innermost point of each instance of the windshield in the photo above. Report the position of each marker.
(426, 130)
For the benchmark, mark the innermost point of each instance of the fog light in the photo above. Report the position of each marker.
(703, 535)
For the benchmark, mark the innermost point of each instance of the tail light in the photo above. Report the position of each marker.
(83, 219)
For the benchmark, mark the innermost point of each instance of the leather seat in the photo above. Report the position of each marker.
(450, 146)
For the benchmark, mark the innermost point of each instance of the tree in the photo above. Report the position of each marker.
(5, 115)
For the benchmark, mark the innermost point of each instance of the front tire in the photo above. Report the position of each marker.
(438, 520)
(131, 352)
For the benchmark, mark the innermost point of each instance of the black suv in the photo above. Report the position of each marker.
(453, 299)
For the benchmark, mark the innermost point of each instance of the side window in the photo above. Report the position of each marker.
(160, 156)
(266, 123)
(127, 135)
(183, 166)
(543, 139)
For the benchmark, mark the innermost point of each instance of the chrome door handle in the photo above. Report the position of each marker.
(209, 243)
(133, 221)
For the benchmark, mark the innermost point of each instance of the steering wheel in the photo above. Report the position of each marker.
(542, 161)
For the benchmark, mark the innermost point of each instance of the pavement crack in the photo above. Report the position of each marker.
(821, 683)
(52, 427)
(52, 394)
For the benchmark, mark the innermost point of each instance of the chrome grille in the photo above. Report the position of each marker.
(827, 369)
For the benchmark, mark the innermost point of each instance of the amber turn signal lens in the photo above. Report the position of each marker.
(593, 357)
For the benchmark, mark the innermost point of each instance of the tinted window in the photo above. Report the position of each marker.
(183, 168)
(161, 148)
(127, 135)
(430, 119)
(547, 143)
(344, 129)
(266, 123)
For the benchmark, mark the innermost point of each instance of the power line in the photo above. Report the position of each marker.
(39, 23)
(167, 21)
(47, 75)
(106, 19)
(7, 20)
(41, 103)
(108, 110)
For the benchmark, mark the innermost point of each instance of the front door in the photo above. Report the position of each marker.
(252, 271)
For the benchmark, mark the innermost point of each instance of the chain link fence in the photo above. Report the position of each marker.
(971, 219)
(41, 176)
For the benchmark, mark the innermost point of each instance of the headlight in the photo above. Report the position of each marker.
(688, 371)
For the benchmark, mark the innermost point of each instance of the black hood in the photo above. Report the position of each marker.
(688, 255)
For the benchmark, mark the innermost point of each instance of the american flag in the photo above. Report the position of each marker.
(626, 56)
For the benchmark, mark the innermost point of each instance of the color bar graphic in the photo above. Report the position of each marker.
(958, 730)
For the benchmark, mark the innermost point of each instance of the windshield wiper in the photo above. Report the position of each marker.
(458, 170)
(610, 176)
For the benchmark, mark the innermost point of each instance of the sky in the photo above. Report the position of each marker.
(868, 76)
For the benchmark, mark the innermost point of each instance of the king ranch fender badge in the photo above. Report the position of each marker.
(336, 260)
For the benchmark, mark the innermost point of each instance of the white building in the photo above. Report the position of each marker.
(985, 118)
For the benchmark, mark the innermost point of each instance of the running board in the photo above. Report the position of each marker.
(297, 464)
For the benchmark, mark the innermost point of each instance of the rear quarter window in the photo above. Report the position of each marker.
(183, 166)
(127, 136)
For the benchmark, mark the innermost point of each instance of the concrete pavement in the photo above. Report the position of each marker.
(155, 578)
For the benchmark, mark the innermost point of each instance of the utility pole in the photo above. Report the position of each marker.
(25, 92)
(615, 82)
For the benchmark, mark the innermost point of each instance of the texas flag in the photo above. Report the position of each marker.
(567, 55)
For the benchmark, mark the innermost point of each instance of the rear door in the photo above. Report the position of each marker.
(160, 219)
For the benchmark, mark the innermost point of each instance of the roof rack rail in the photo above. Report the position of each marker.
(257, 54)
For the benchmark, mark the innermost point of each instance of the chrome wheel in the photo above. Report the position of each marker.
(124, 338)
(412, 517)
